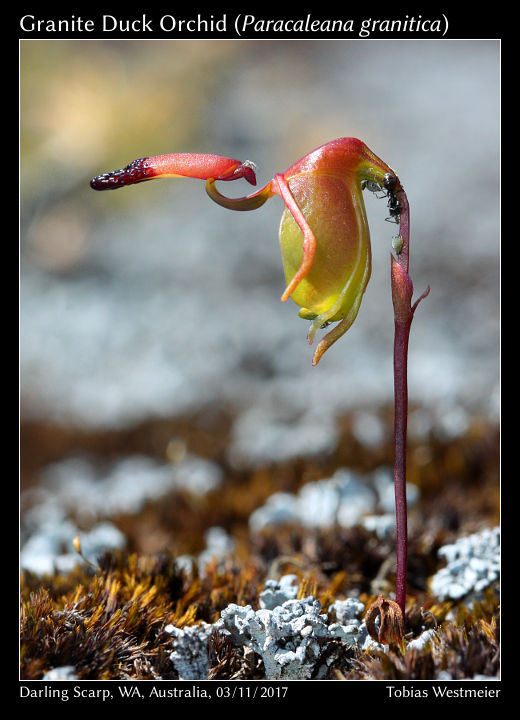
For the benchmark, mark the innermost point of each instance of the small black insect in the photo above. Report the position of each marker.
(389, 182)
(393, 204)
(387, 190)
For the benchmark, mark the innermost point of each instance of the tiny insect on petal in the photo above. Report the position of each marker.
(397, 244)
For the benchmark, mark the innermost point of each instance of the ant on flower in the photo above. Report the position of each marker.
(389, 183)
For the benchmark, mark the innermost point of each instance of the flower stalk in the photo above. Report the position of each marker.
(402, 289)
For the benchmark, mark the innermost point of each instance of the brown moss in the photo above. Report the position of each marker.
(110, 624)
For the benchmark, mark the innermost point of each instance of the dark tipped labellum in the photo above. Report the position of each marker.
(135, 172)
(193, 165)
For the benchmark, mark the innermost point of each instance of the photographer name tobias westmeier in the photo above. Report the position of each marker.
(441, 691)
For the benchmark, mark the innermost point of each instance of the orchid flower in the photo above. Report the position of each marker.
(325, 244)
(324, 234)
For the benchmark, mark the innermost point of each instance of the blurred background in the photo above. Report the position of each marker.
(152, 333)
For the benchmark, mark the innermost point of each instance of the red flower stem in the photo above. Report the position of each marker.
(402, 290)
(402, 331)
(401, 334)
